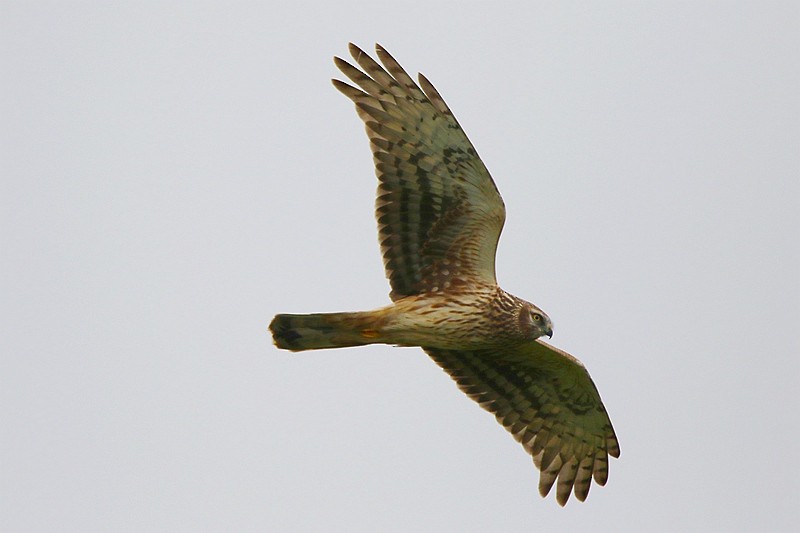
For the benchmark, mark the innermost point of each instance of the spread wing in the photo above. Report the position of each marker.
(439, 212)
(545, 398)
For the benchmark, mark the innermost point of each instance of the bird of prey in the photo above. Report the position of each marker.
(439, 219)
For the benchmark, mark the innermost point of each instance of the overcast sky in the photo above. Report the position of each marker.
(174, 174)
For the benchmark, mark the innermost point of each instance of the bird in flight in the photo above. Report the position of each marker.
(439, 219)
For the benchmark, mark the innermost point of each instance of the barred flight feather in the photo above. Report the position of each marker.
(436, 199)
(522, 388)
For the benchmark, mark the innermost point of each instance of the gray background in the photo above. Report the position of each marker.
(175, 174)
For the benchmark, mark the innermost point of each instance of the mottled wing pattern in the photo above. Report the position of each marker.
(545, 398)
(439, 212)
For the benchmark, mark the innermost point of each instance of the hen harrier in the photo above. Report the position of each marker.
(439, 219)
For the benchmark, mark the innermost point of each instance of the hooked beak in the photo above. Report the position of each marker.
(549, 333)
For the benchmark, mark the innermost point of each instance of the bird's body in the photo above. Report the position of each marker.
(479, 317)
(439, 220)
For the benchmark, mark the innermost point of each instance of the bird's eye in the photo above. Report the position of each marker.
(536, 317)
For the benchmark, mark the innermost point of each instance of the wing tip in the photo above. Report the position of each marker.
(354, 50)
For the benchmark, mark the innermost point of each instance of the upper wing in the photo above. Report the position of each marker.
(546, 399)
(439, 212)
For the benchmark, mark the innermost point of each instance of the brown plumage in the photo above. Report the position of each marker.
(439, 220)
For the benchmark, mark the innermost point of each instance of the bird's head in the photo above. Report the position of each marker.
(534, 322)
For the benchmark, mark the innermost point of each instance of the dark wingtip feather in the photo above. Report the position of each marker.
(613, 449)
(347, 89)
(383, 54)
(355, 51)
(340, 63)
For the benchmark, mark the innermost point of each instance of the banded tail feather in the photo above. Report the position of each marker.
(322, 330)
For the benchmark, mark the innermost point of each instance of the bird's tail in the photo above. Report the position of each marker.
(323, 330)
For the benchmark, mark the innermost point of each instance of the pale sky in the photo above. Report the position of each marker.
(174, 174)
